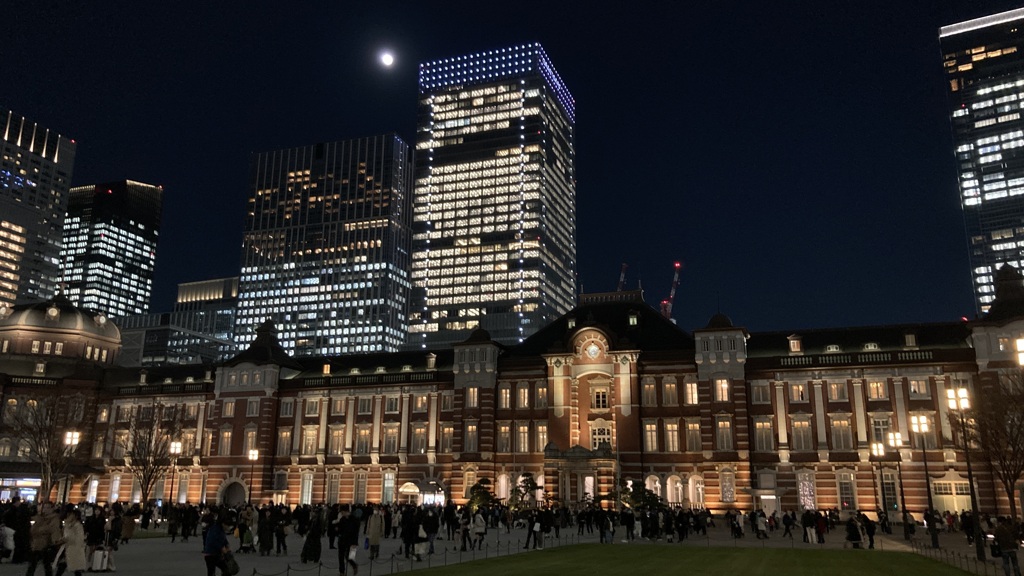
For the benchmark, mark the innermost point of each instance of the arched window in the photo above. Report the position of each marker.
(696, 492)
(675, 491)
(653, 483)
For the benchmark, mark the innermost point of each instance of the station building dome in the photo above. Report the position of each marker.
(56, 330)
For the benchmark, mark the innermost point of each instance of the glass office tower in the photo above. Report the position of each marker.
(35, 173)
(494, 214)
(109, 252)
(984, 64)
(200, 330)
(326, 247)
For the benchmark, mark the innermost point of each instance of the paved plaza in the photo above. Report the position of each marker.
(158, 556)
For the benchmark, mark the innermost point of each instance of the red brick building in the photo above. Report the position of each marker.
(611, 392)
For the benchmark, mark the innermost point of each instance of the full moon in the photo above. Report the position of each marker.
(387, 59)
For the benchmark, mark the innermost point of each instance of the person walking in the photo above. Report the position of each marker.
(45, 536)
(348, 540)
(375, 531)
(215, 545)
(479, 528)
(1006, 537)
(74, 543)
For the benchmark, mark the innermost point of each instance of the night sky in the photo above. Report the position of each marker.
(795, 156)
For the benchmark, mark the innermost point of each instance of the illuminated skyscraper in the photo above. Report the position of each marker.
(494, 215)
(200, 330)
(35, 172)
(326, 247)
(110, 239)
(984, 63)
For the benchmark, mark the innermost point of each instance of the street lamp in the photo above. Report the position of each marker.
(919, 424)
(896, 441)
(254, 455)
(960, 402)
(71, 439)
(175, 450)
(878, 450)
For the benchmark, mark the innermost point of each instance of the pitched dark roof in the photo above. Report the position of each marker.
(852, 339)
(391, 362)
(265, 349)
(652, 331)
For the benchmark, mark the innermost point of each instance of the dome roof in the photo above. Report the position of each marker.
(719, 321)
(58, 315)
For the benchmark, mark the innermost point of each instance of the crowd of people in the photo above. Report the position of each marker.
(75, 539)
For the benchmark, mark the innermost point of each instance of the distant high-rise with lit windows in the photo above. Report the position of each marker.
(110, 241)
(326, 247)
(35, 173)
(984, 63)
(494, 212)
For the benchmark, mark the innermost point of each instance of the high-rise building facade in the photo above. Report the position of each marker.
(200, 329)
(35, 173)
(984, 63)
(494, 214)
(110, 242)
(326, 247)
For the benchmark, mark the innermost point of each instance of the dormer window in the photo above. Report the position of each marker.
(634, 319)
(572, 323)
(796, 345)
(871, 347)
(832, 348)
(327, 369)
(910, 340)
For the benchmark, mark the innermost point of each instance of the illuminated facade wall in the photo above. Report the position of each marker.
(35, 172)
(494, 223)
(326, 247)
(109, 252)
(984, 63)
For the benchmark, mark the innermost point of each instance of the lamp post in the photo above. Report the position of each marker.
(896, 441)
(960, 402)
(71, 439)
(175, 450)
(878, 451)
(919, 424)
(254, 455)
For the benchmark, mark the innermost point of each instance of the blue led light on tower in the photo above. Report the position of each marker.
(494, 212)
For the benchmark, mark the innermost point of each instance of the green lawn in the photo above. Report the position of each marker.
(595, 559)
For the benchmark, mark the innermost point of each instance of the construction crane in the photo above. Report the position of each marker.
(666, 304)
(622, 278)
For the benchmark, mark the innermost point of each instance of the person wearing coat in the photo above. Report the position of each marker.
(311, 546)
(479, 527)
(128, 525)
(74, 543)
(375, 531)
(348, 539)
(265, 531)
(45, 535)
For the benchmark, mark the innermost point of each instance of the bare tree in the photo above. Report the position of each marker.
(48, 424)
(998, 426)
(147, 445)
